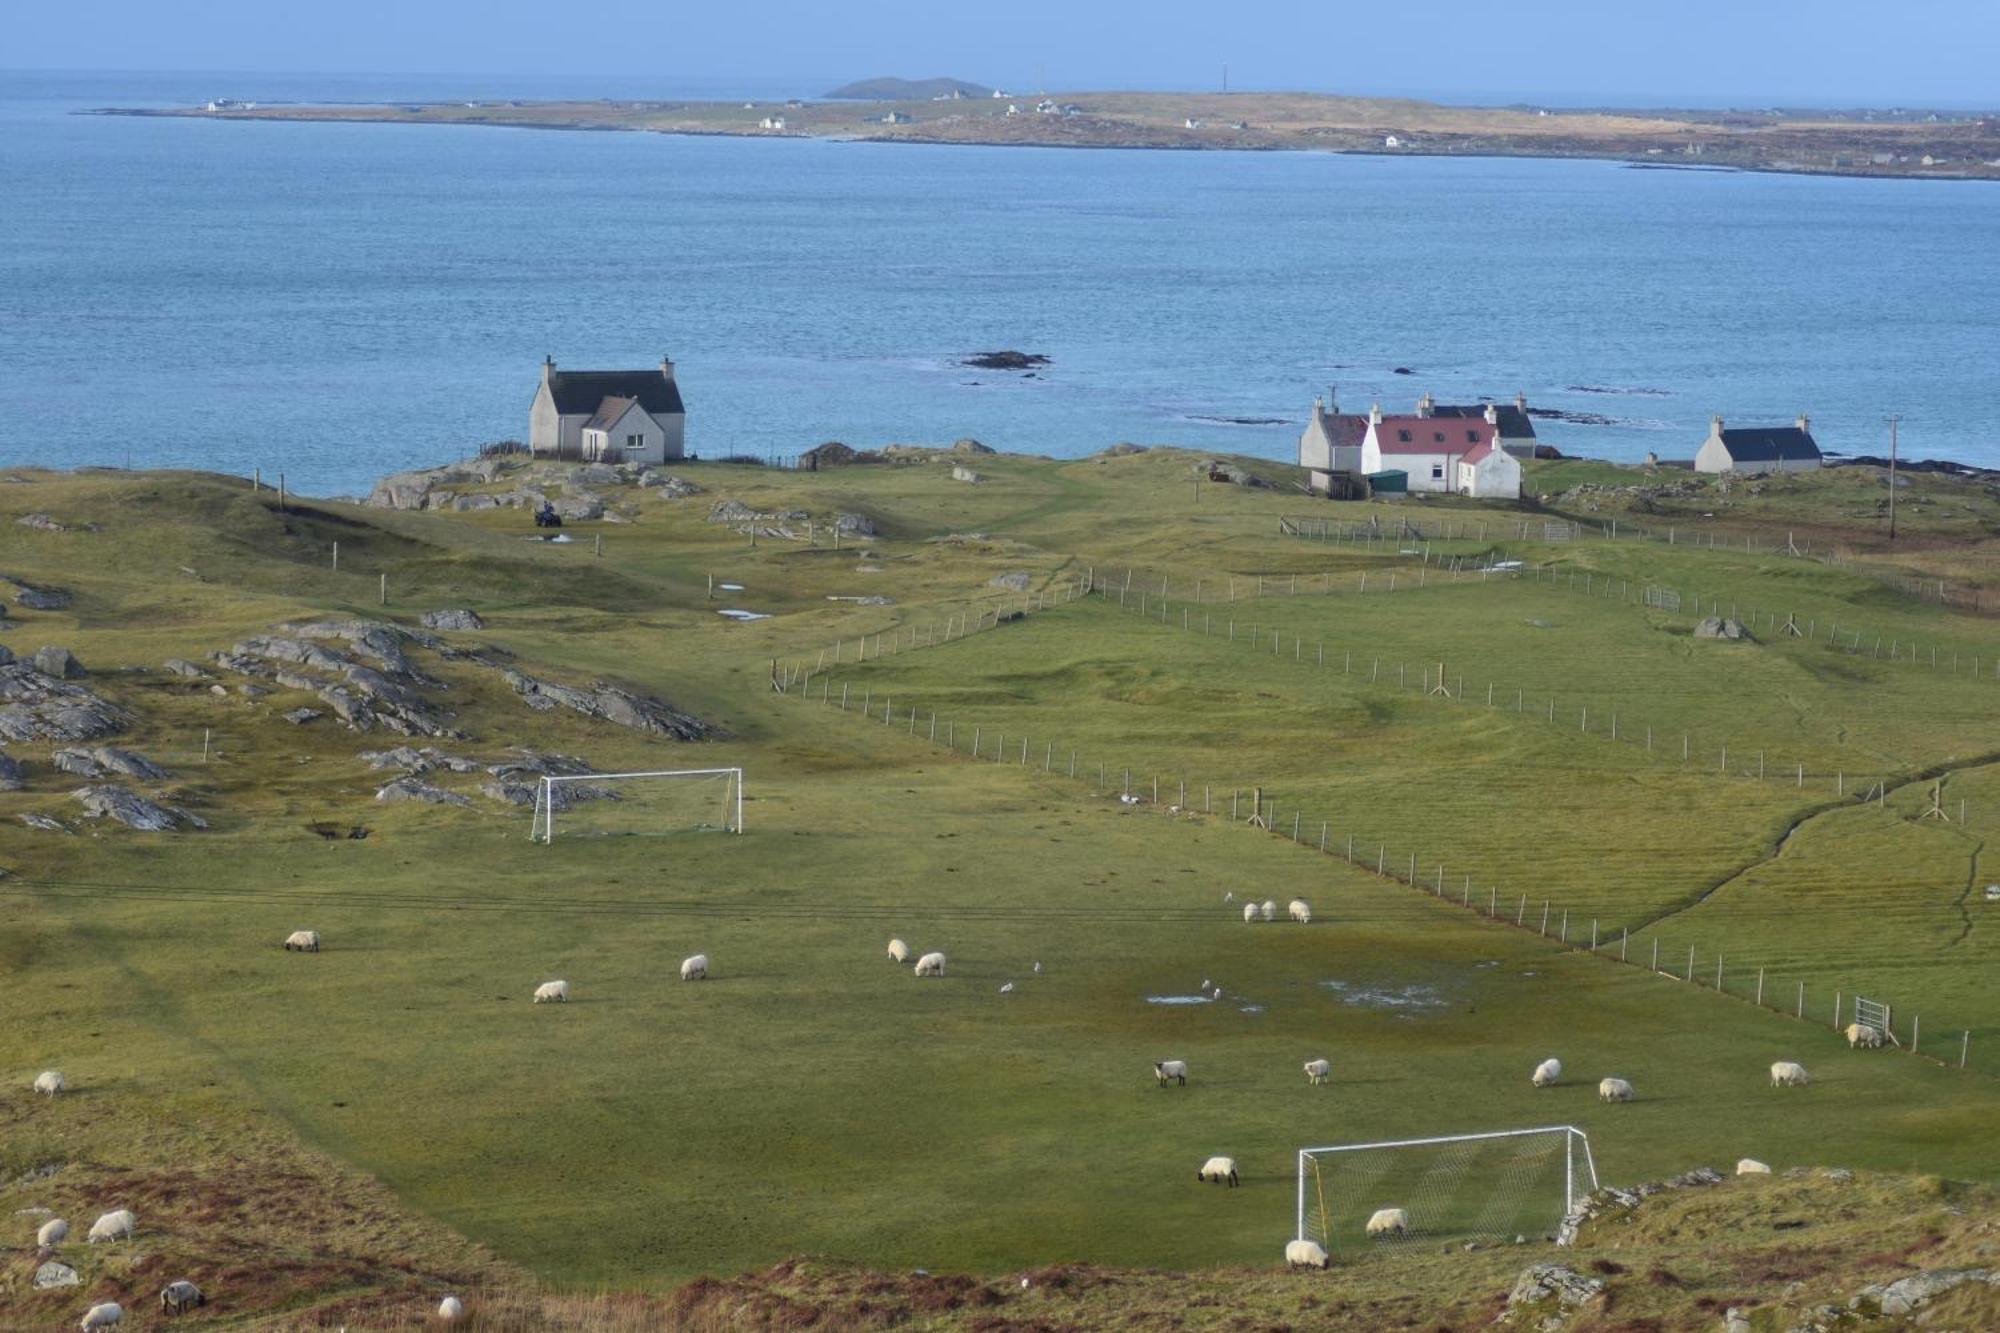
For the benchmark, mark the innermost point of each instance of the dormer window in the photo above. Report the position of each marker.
(1472, 437)
(1403, 435)
(1437, 436)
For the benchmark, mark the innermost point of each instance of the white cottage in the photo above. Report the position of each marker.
(632, 416)
(1451, 455)
(1758, 448)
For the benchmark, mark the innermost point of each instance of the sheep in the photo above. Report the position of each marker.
(102, 1316)
(1305, 1254)
(695, 968)
(899, 952)
(1750, 1166)
(176, 1297)
(53, 1232)
(50, 1081)
(451, 1307)
(1007, 988)
(1249, 912)
(1389, 1222)
(1317, 1071)
(1861, 1034)
(1789, 1074)
(1301, 911)
(1547, 1073)
(1218, 1170)
(1268, 910)
(931, 965)
(118, 1222)
(1170, 1069)
(302, 941)
(1614, 1090)
(557, 991)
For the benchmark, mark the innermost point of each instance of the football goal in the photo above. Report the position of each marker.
(683, 800)
(1513, 1182)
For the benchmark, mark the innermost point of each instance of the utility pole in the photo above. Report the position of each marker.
(1893, 419)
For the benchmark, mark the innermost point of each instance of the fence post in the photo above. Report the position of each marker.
(1690, 975)
(1916, 1026)
(1760, 988)
(1802, 1000)
(1656, 953)
(1964, 1047)
(1624, 937)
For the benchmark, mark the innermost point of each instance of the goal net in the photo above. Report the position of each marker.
(1517, 1182)
(685, 800)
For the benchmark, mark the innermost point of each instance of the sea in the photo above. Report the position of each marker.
(340, 301)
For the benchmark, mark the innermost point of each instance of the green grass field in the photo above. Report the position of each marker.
(813, 1098)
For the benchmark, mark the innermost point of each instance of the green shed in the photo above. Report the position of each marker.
(1394, 481)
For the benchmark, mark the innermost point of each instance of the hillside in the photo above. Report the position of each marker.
(905, 90)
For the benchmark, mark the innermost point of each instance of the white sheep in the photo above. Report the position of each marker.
(1862, 1034)
(52, 1233)
(1388, 1222)
(102, 1316)
(1317, 1071)
(1176, 1070)
(1250, 912)
(1305, 1254)
(302, 941)
(899, 952)
(450, 1308)
(557, 991)
(1614, 1090)
(1301, 911)
(179, 1297)
(1789, 1074)
(116, 1223)
(51, 1082)
(1548, 1073)
(931, 965)
(1218, 1170)
(1750, 1166)
(1268, 910)
(695, 968)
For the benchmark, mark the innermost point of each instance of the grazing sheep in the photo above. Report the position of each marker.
(1301, 911)
(899, 952)
(302, 941)
(1268, 910)
(1389, 1222)
(451, 1307)
(1218, 1170)
(1305, 1254)
(1547, 1073)
(50, 1081)
(118, 1222)
(177, 1297)
(53, 1232)
(1861, 1034)
(102, 1316)
(1170, 1069)
(931, 965)
(1007, 988)
(1789, 1074)
(552, 990)
(1249, 911)
(1317, 1071)
(1750, 1166)
(1614, 1090)
(695, 968)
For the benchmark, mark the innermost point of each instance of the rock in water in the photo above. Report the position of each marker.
(459, 618)
(1005, 360)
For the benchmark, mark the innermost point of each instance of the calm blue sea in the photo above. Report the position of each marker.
(339, 301)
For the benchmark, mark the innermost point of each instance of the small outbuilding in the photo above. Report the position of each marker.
(1757, 449)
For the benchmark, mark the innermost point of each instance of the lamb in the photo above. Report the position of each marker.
(53, 1233)
(1305, 1254)
(1218, 1170)
(118, 1222)
(1268, 910)
(1389, 1222)
(451, 1307)
(177, 1297)
(1170, 1069)
(302, 941)
(1301, 911)
(1547, 1073)
(695, 968)
(1861, 1034)
(1750, 1166)
(557, 991)
(1789, 1074)
(899, 952)
(102, 1316)
(1614, 1090)
(931, 965)
(1317, 1071)
(1249, 911)
(51, 1082)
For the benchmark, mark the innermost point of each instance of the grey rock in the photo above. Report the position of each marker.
(1721, 627)
(514, 791)
(52, 1274)
(613, 704)
(102, 759)
(596, 474)
(413, 760)
(180, 666)
(579, 505)
(410, 789)
(6, 654)
(458, 618)
(969, 445)
(1837, 1174)
(37, 596)
(731, 511)
(38, 707)
(540, 764)
(964, 474)
(1015, 579)
(127, 807)
(298, 717)
(249, 691)
(859, 525)
(474, 503)
(1546, 1295)
(1735, 1321)
(46, 823)
(44, 522)
(1122, 449)
(60, 663)
(674, 488)
(12, 773)
(1906, 1295)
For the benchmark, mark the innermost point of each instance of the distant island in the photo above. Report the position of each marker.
(907, 90)
(1899, 144)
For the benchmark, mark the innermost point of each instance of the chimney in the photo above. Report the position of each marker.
(1492, 415)
(1521, 401)
(1374, 414)
(1805, 424)
(1333, 399)
(667, 369)
(1319, 406)
(548, 368)
(1715, 425)
(1424, 404)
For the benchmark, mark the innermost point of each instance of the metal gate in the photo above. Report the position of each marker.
(1869, 1014)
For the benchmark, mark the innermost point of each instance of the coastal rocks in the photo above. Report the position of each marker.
(612, 704)
(37, 596)
(59, 663)
(1122, 449)
(102, 759)
(1221, 470)
(1005, 360)
(1546, 1296)
(1014, 580)
(461, 618)
(578, 505)
(134, 811)
(965, 474)
(834, 454)
(402, 490)
(411, 789)
(38, 707)
(968, 445)
(1722, 627)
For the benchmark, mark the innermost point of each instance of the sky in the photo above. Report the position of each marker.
(1932, 53)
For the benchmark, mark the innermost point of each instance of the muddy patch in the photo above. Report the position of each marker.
(1416, 997)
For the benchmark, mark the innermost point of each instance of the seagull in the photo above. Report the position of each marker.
(1007, 989)
(1229, 897)
(1205, 983)
(1218, 992)
(1038, 966)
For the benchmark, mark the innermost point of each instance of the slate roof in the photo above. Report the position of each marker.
(1344, 430)
(1769, 444)
(582, 392)
(1514, 423)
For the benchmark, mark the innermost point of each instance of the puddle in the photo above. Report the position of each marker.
(734, 614)
(1414, 998)
(1491, 962)
(1503, 566)
(1251, 1009)
(1178, 999)
(730, 587)
(560, 539)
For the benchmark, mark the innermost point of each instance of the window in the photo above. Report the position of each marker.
(1438, 436)
(1472, 437)
(635, 442)
(1437, 472)
(1403, 435)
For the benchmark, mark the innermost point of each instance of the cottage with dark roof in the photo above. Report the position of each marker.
(1758, 448)
(629, 416)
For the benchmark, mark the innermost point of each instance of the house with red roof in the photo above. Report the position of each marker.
(1452, 450)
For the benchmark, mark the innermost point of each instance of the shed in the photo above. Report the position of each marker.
(1393, 481)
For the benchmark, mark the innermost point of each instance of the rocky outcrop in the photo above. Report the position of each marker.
(1005, 360)
(1122, 449)
(298, 717)
(38, 707)
(53, 1274)
(60, 663)
(99, 760)
(1014, 580)
(413, 760)
(12, 773)
(855, 525)
(413, 789)
(613, 704)
(969, 445)
(415, 489)
(1907, 1295)
(46, 823)
(180, 666)
(127, 807)
(674, 488)
(1547, 1296)
(37, 596)
(1598, 1203)
(385, 690)
(1722, 627)
(458, 618)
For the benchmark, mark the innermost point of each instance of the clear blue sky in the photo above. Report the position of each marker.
(1743, 52)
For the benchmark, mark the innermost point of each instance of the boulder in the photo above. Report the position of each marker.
(674, 488)
(969, 446)
(38, 707)
(1721, 627)
(613, 704)
(44, 522)
(596, 474)
(38, 596)
(460, 618)
(109, 801)
(59, 663)
(1545, 1296)
(1015, 580)
(180, 666)
(298, 717)
(402, 490)
(6, 654)
(467, 504)
(1909, 1294)
(102, 759)
(833, 454)
(410, 789)
(12, 774)
(579, 505)
(1735, 1321)
(964, 474)
(858, 525)
(53, 1274)
(46, 823)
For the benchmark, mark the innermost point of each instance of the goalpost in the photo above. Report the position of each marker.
(1499, 1184)
(660, 801)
